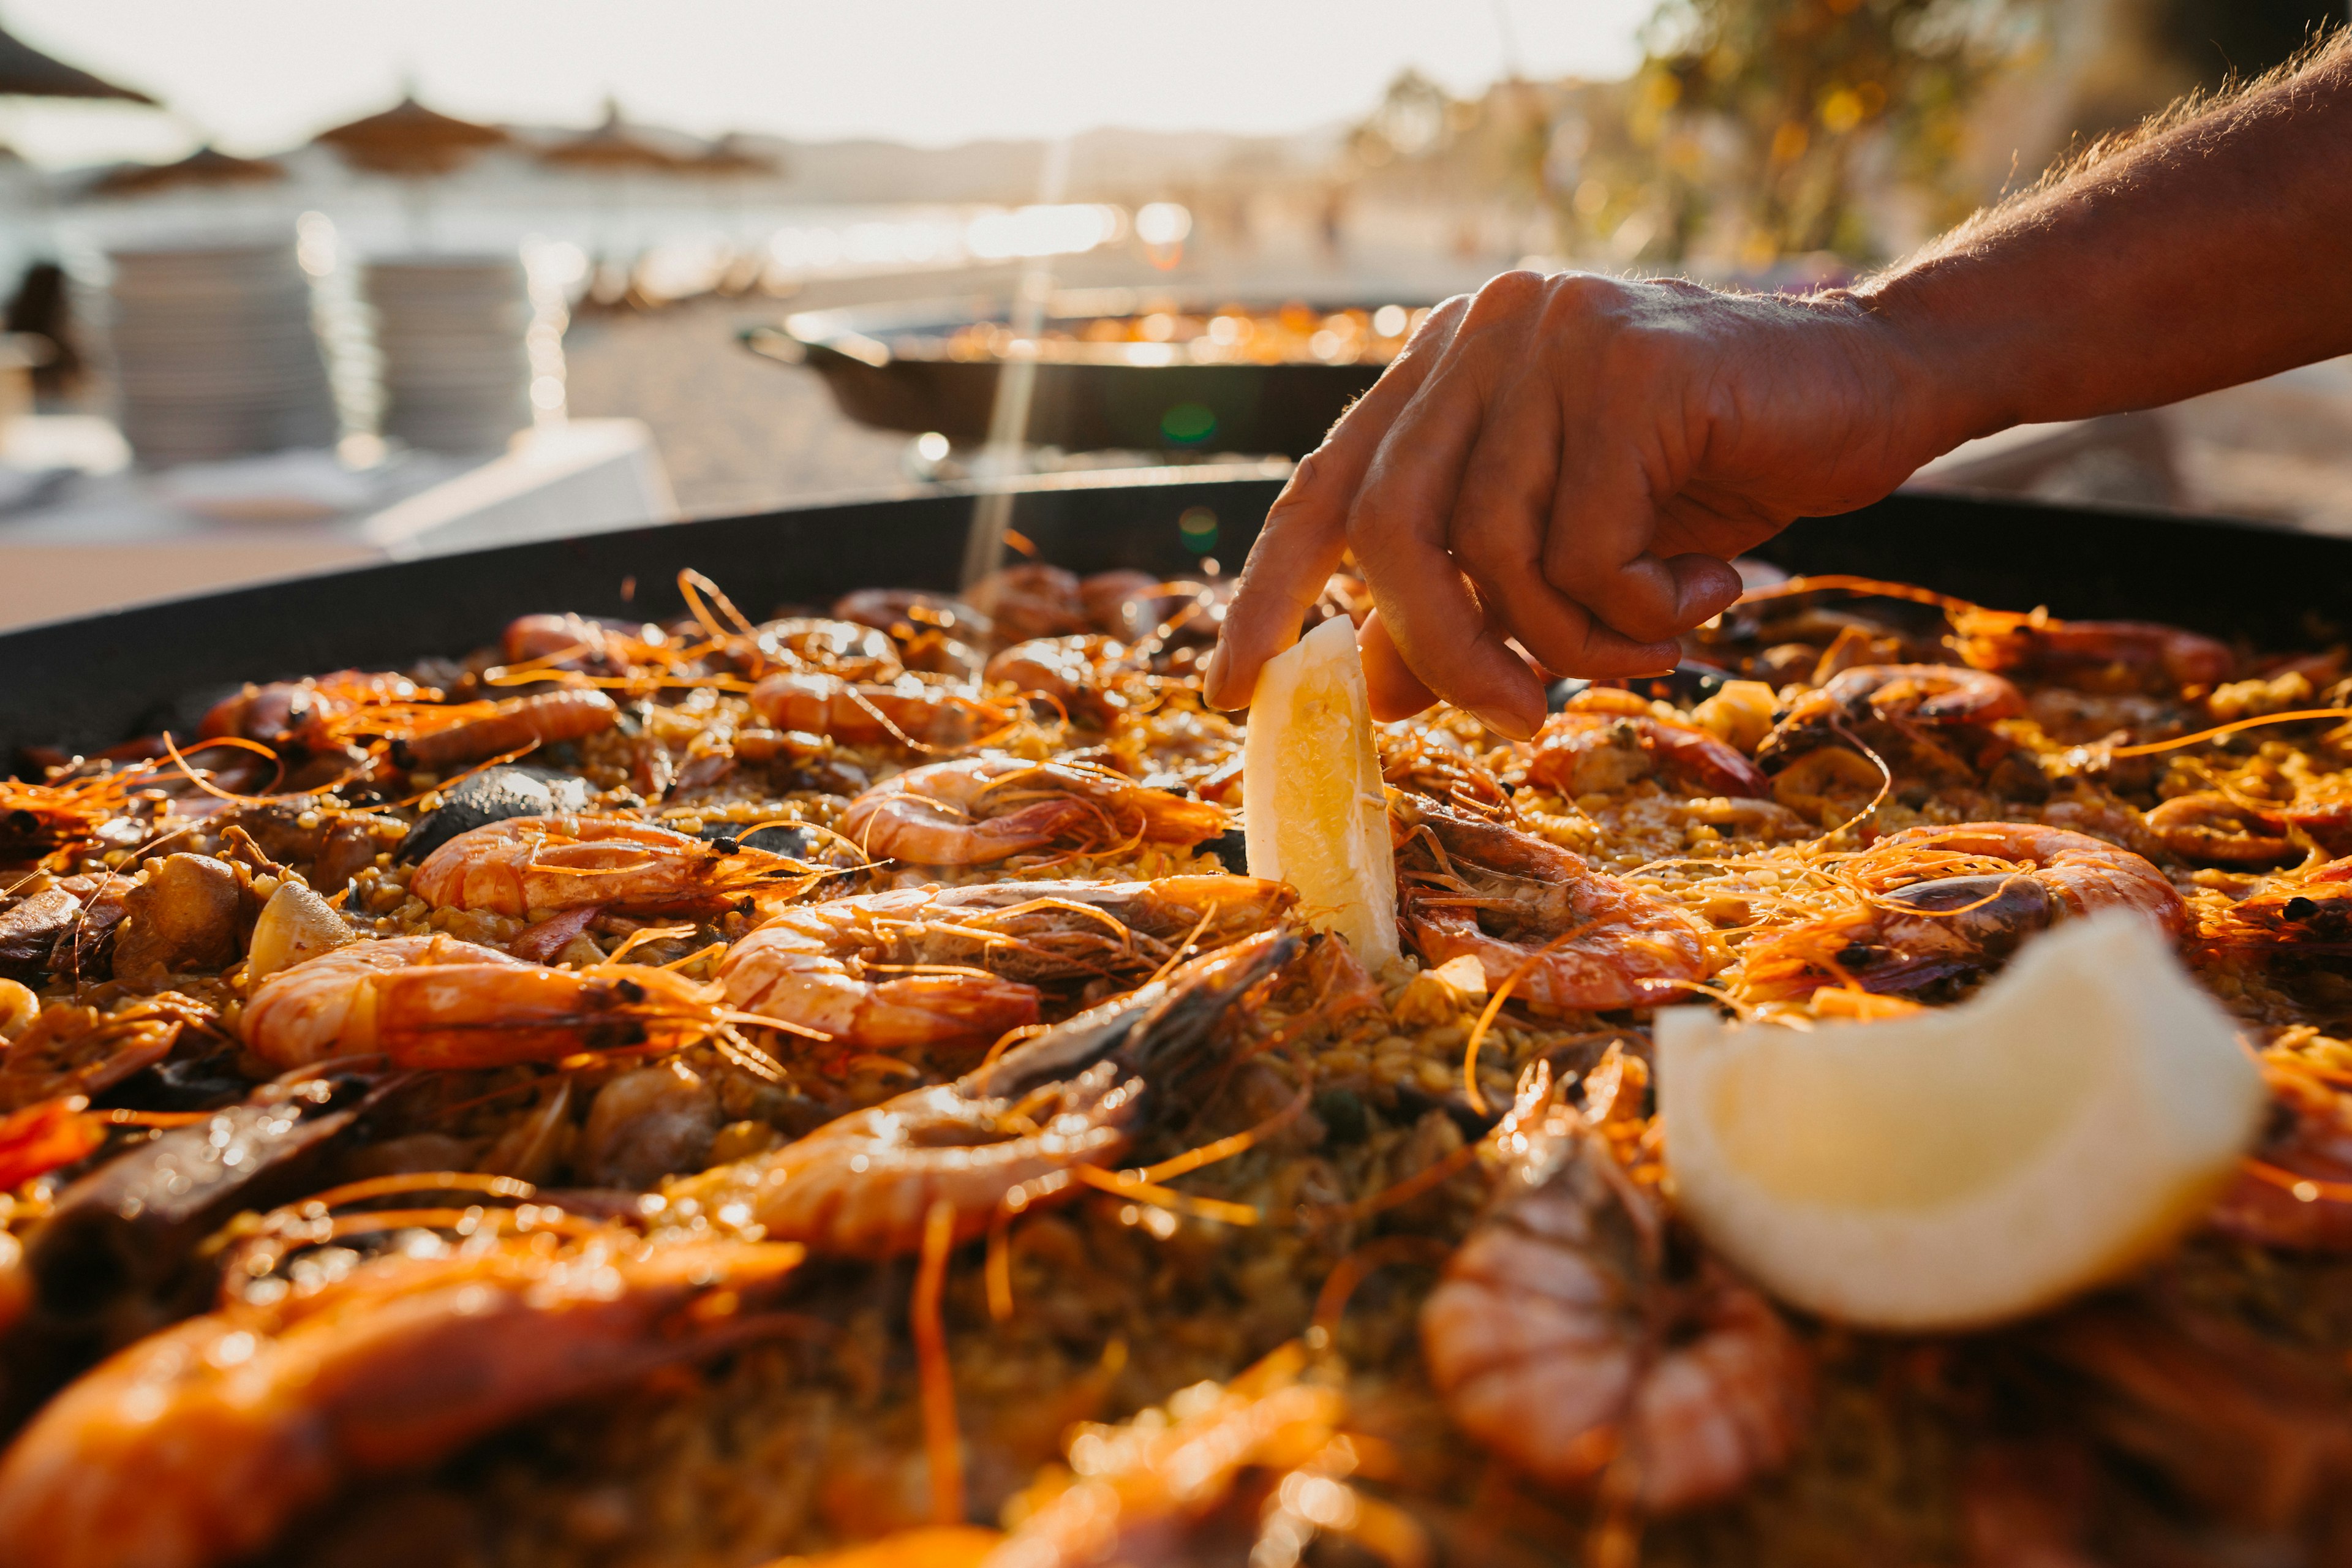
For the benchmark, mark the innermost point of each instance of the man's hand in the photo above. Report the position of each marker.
(1572, 462)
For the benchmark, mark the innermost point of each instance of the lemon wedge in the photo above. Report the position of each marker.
(1311, 794)
(1957, 1167)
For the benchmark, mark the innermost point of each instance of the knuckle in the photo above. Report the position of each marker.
(1313, 473)
(1508, 290)
(1582, 295)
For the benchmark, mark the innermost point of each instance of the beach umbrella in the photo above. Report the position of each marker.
(615, 147)
(410, 140)
(731, 154)
(204, 166)
(25, 72)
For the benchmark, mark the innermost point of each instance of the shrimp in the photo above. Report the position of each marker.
(905, 710)
(518, 724)
(199, 1444)
(907, 613)
(1907, 696)
(2292, 1193)
(45, 1136)
(2109, 655)
(979, 810)
(1934, 904)
(531, 867)
(1032, 600)
(303, 713)
(1499, 895)
(436, 1002)
(1105, 595)
(1011, 1130)
(1265, 1456)
(844, 648)
(1560, 1339)
(1082, 675)
(2309, 913)
(70, 1049)
(1607, 738)
(2228, 830)
(590, 647)
(840, 966)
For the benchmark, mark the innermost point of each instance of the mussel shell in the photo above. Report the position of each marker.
(493, 795)
(788, 840)
(1232, 849)
(125, 1231)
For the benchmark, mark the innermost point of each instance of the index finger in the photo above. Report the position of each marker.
(1305, 531)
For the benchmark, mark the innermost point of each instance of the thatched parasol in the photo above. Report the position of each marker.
(409, 139)
(731, 154)
(615, 147)
(25, 72)
(204, 166)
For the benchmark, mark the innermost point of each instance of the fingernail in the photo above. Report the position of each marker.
(1505, 723)
(1213, 680)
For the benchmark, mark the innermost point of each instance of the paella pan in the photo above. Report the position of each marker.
(793, 1064)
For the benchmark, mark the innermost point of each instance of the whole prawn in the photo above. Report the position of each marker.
(851, 967)
(873, 713)
(1932, 904)
(1533, 914)
(1265, 1456)
(863, 1186)
(518, 724)
(2227, 829)
(2118, 655)
(1605, 738)
(1087, 676)
(1559, 1338)
(531, 867)
(305, 712)
(979, 810)
(198, 1444)
(436, 1002)
(1932, 718)
(2291, 1193)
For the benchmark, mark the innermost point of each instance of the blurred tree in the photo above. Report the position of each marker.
(1762, 115)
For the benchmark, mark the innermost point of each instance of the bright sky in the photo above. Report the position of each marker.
(258, 75)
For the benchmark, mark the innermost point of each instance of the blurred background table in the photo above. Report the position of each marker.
(106, 540)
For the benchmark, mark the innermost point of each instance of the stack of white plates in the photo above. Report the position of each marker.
(215, 354)
(450, 331)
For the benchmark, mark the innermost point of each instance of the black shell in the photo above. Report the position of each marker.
(491, 796)
(1232, 849)
(127, 1227)
(785, 839)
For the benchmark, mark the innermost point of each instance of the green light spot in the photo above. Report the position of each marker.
(1188, 424)
(1199, 528)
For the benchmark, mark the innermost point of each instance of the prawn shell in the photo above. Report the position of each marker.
(198, 1445)
(478, 1016)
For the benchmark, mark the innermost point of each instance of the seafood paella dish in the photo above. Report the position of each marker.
(1291, 333)
(903, 1081)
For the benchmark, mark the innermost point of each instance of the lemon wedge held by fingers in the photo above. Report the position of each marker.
(1960, 1165)
(1312, 799)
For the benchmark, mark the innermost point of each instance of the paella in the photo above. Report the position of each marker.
(903, 1081)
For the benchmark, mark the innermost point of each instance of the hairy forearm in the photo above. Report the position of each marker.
(2212, 252)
